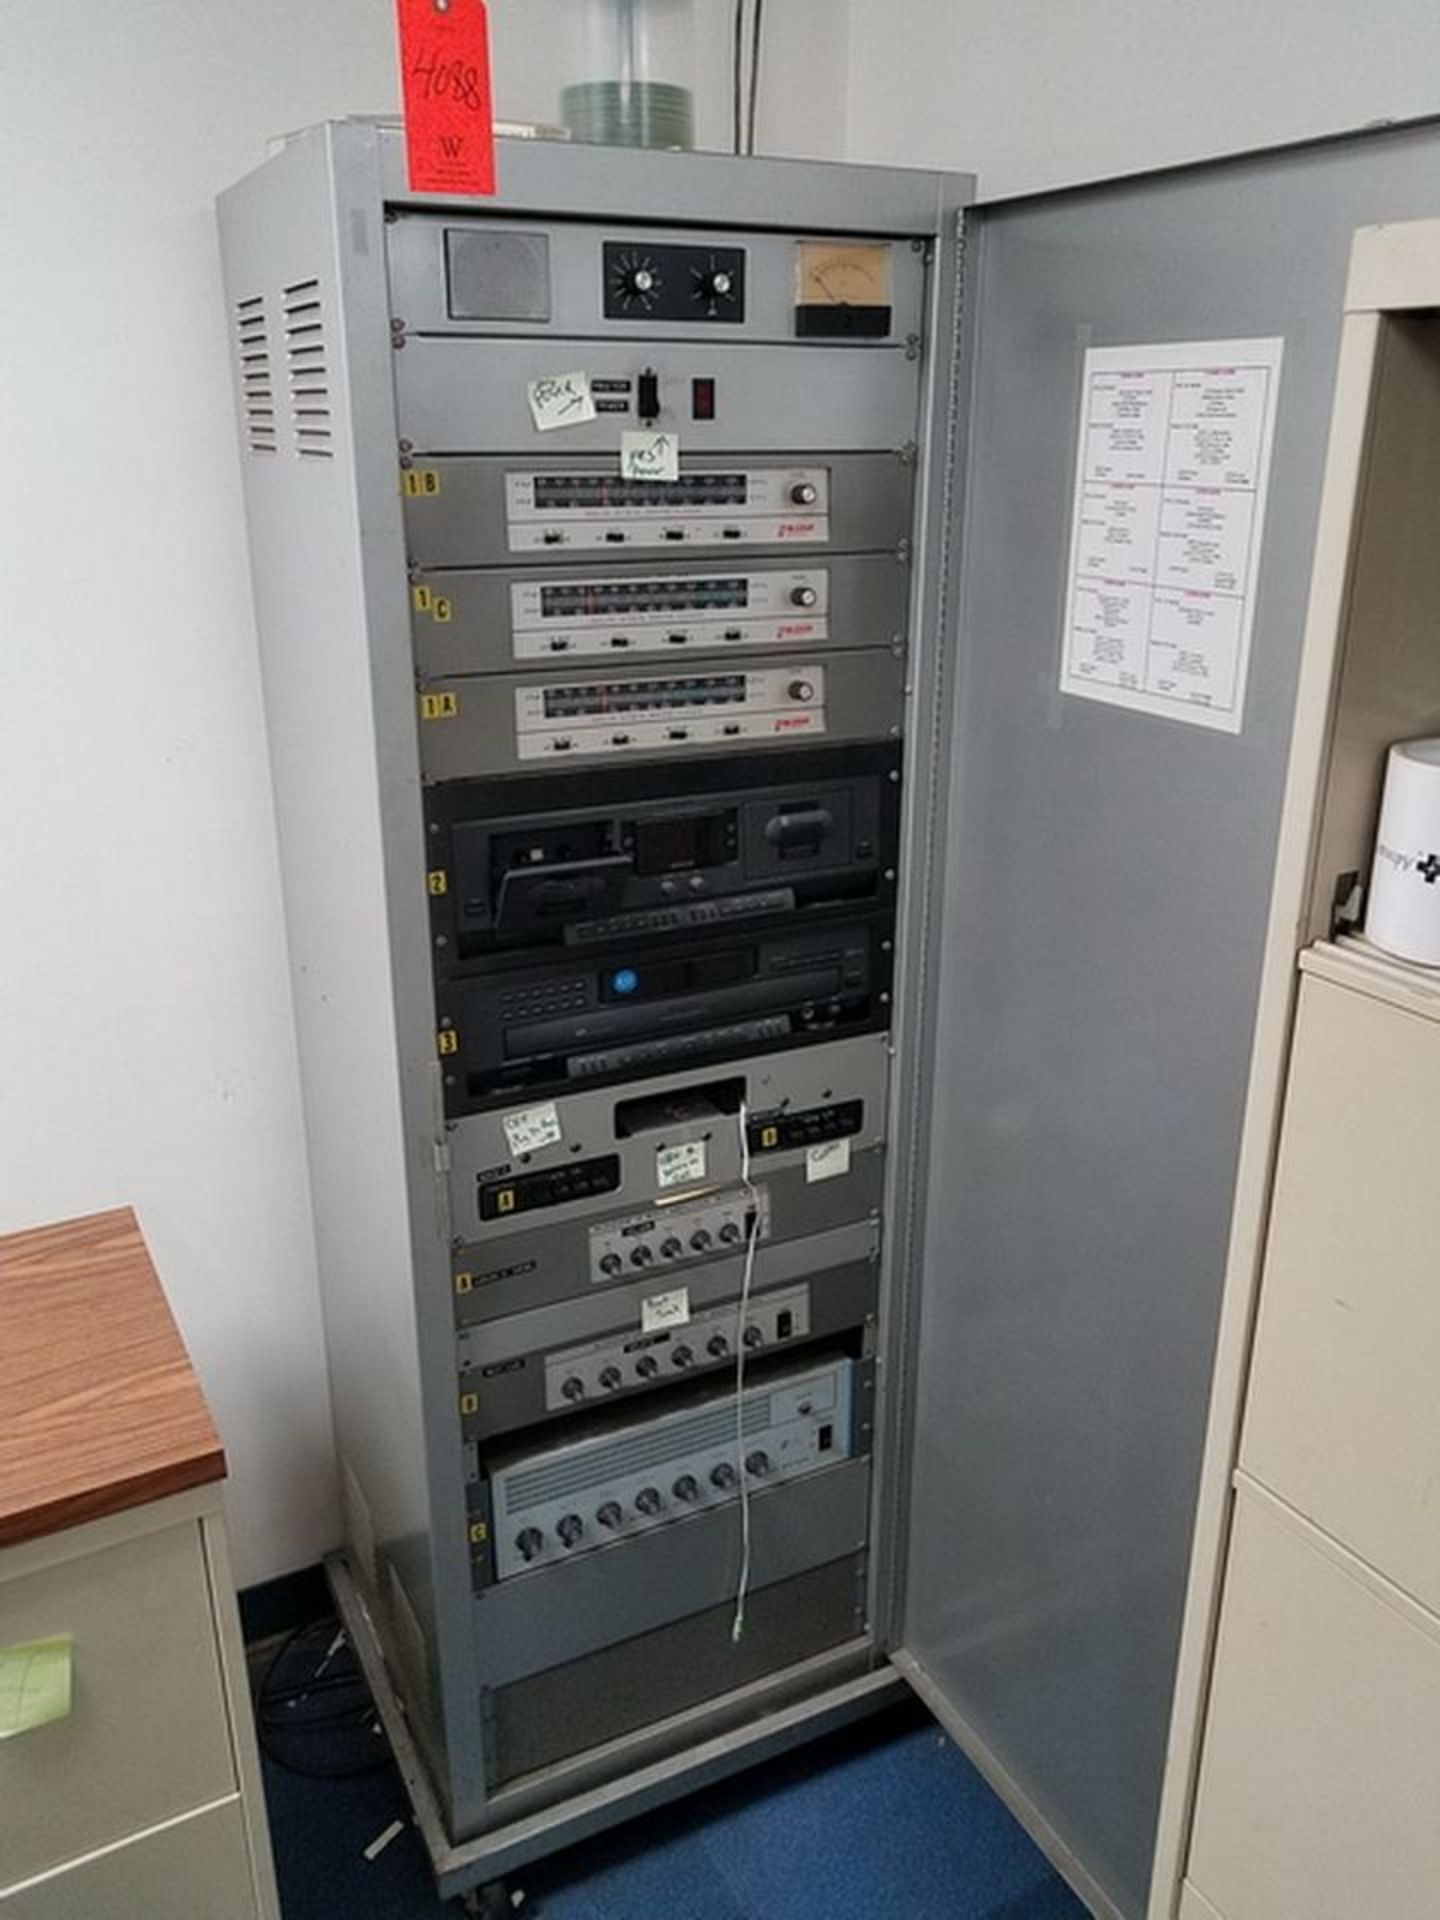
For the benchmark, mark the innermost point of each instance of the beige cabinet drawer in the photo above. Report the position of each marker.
(147, 1736)
(197, 1869)
(1319, 1789)
(1343, 1419)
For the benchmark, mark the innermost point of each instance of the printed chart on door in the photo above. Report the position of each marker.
(1170, 480)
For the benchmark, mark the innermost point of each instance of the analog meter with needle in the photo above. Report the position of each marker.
(842, 289)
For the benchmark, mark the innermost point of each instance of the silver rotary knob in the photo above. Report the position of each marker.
(802, 690)
(804, 493)
(803, 596)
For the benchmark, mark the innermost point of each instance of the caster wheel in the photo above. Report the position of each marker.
(494, 1901)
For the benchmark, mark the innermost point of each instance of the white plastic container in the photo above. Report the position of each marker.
(1403, 913)
(634, 72)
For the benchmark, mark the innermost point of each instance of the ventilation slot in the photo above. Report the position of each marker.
(307, 369)
(257, 381)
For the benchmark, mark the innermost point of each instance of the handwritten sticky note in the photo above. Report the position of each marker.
(650, 456)
(561, 400)
(664, 1310)
(829, 1160)
(680, 1166)
(532, 1128)
(34, 1684)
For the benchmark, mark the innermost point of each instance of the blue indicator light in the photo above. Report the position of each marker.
(625, 980)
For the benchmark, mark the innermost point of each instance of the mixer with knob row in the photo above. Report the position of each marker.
(614, 1483)
(583, 1376)
(672, 1236)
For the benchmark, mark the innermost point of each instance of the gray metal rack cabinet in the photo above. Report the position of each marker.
(1081, 912)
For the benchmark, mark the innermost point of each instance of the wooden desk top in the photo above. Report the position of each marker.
(99, 1406)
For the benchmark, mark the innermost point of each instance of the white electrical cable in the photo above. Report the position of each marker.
(752, 1235)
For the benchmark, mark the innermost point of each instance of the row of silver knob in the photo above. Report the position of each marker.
(701, 1241)
(649, 1502)
(648, 1365)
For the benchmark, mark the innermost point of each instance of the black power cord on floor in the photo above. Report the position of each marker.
(313, 1711)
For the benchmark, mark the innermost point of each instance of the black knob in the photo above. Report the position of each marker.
(570, 1528)
(573, 1388)
(804, 493)
(671, 1248)
(612, 1514)
(754, 1337)
(641, 1256)
(610, 1263)
(611, 1378)
(717, 1346)
(730, 1232)
(716, 284)
(530, 1543)
(700, 1239)
(803, 596)
(686, 1488)
(802, 690)
(647, 1366)
(722, 1476)
(683, 1356)
(756, 1463)
(648, 1500)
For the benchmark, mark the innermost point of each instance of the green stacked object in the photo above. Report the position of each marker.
(639, 113)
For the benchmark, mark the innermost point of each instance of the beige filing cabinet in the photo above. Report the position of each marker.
(1304, 1768)
(143, 1802)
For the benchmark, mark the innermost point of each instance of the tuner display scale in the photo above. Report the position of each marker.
(514, 723)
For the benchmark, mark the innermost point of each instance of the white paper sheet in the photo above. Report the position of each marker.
(1170, 481)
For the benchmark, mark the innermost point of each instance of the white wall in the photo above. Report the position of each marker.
(146, 1051)
(1038, 93)
(146, 1042)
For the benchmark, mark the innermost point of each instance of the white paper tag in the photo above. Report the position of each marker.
(561, 400)
(827, 1161)
(680, 1166)
(664, 1310)
(532, 1128)
(650, 456)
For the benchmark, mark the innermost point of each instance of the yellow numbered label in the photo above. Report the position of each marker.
(420, 483)
(769, 1136)
(421, 598)
(438, 706)
(464, 1282)
(469, 1403)
(438, 881)
(479, 1533)
(505, 1200)
(448, 1041)
(443, 609)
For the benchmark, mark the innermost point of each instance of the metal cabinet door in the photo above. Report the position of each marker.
(1106, 880)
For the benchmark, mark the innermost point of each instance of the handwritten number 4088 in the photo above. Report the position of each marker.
(449, 80)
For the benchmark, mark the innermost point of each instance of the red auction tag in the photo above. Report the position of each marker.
(445, 73)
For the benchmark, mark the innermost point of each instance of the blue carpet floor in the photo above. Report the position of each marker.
(883, 1821)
